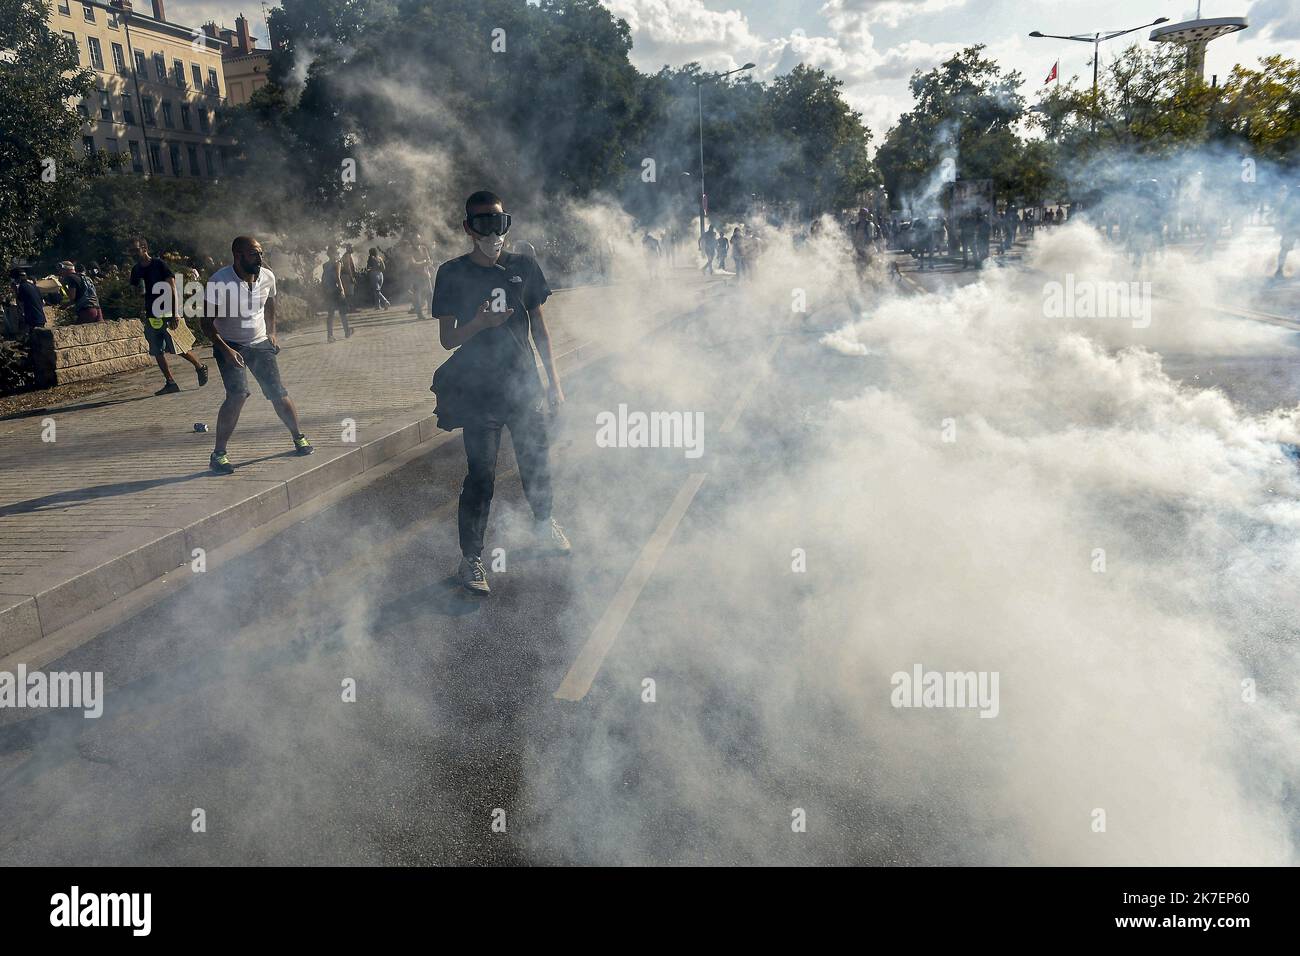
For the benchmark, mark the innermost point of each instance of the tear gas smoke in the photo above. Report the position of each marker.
(1120, 690)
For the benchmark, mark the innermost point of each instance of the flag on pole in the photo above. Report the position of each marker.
(1053, 75)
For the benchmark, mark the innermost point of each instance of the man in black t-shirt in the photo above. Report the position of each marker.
(162, 310)
(487, 302)
(29, 299)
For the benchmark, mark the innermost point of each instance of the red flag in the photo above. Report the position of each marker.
(1052, 76)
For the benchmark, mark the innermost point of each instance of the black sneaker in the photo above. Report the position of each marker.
(171, 388)
(221, 464)
(202, 372)
(302, 446)
(472, 576)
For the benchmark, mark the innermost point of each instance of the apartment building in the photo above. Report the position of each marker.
(245, 66)
(159, 86)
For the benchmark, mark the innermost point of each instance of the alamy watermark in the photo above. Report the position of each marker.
(946, 689)
(1093, 299)
(83, 690)
(129, 910)
(626, 429)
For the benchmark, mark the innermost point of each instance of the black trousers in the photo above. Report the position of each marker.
(482, 443)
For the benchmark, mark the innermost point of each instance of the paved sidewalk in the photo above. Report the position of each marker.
(123, 495)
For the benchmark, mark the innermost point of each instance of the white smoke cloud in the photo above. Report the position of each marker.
(1121, 691)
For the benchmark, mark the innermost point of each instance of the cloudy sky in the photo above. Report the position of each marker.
(874, 45)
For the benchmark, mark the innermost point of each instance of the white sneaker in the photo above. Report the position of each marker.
(472, 575)
(551, 537)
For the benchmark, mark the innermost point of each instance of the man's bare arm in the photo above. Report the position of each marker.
(176, 309)
(270, 319)
(207, 323)
(452, 337)
(542, 336)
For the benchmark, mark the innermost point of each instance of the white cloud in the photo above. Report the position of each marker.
(678, 31)
(854, 16)
(1278, 19)
(195, 13)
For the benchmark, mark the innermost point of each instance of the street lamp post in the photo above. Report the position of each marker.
(1096, 40)
(699, 97)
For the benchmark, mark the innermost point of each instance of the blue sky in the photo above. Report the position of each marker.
(874, 45)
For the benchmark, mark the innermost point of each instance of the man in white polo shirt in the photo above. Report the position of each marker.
(240, 321)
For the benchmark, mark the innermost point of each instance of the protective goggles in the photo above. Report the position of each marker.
(490, 223)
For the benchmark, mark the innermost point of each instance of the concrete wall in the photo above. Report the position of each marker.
(76, 353)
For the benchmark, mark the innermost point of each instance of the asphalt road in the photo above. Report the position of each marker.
(227, 697)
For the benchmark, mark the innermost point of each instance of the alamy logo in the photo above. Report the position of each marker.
(103, 909)
(651, 430)
(83, 690)
(955, 689)
(1089, 299)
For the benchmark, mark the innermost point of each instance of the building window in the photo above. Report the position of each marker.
(155, 158)
(113, 150)
(128, 113)
(96, 53)
(105, 107)
(187, 119)
(198, 76)
(83, 110)
(136, 163)
(168, 121)
(75, 50)
(119, 59)
(175, 151)
(64, 8)
(141, 68)
(203, 118)
(213, 85)
(88, 12)
(193, 152)
(160, 67)
(88, 144)
(211, 162)
(146, 104)
(112, 19)
(178, 73)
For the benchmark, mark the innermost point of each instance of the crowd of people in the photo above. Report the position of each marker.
(489, 306)
(743, 245)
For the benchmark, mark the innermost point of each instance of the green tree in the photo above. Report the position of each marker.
(174, 215)
(1145, 105)
(826, 162)
(967, 110)
(43, 169)
(1262, 107)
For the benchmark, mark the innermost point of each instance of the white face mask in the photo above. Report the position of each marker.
(490, 246)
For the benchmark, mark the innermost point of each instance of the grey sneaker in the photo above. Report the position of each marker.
(472, 576)
(551, 537)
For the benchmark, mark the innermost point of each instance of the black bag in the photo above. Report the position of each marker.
(461, 389)
(458, 388)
